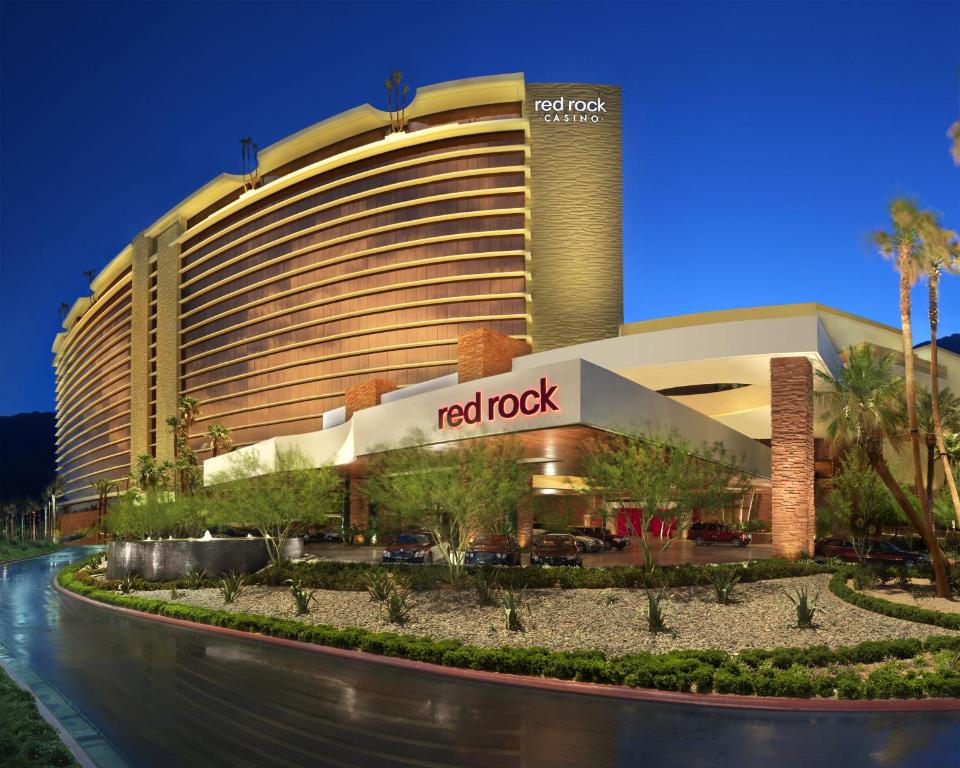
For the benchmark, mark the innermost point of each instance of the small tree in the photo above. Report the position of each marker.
(455, 493)
(103, 486)
(218, 439)
(149, 474)
(859, 502)
(273, 502)
(665, 478)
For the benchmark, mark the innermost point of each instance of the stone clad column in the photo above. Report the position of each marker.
(140, 349)
(485, 352)
(359, 504)
(168, 336)
(791, 418)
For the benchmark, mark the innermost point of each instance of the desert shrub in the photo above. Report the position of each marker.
(805, 606)
(511, 603)
(485, 583)
(724, 580)
(398, 611)
(379, 584)
(231, 585)
(656, 612)
(301, 598)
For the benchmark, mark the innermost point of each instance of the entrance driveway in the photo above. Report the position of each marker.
(681, 551)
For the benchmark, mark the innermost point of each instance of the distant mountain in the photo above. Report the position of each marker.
(27, 461)
(950, 343)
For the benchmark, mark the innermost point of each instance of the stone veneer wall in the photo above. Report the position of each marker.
(577, 217)
(791, 381)
(366, 394)
(485, 352)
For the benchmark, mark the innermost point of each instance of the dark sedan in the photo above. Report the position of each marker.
(610, 540)
(493, 550)
(409, 548)
(556, 549)
(878, 551)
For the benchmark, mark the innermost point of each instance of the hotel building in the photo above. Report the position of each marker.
(373, 278)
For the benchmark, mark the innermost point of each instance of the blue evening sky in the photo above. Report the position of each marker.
(762, 141)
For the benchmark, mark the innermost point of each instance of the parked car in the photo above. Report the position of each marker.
(556, 549)
(415, 548)
(879, 551)
(332, 534)
(717, 533)
(493, 550)
(587, 543)
(608, 539)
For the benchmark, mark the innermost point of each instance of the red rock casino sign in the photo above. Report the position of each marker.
(535, 401)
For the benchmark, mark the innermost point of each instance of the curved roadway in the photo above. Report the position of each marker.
(162, 695)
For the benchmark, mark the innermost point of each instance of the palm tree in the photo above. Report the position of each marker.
(864, 407)
(903, 247)
(940, 249)
(218, 438)
(949, 413)
(103, 486)
(149, 474)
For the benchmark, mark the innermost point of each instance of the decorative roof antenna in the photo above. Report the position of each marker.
(398, 99)
(64, 310)
(251, 164)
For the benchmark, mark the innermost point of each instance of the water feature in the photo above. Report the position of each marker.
(166, 696)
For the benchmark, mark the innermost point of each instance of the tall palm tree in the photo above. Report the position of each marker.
(903, 246)
(218, 438)
(940, 249)
(949, 413)
(864, 407)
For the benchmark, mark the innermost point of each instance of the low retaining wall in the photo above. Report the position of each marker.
(171, 559)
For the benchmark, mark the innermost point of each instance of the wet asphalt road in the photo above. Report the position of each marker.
(158, 695)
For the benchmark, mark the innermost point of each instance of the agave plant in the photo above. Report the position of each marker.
(724, 580)
(512, 606)
(656, 615)
(301, 597)
(806, 607)
(231, 585)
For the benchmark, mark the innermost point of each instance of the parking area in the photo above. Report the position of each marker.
(681, 551)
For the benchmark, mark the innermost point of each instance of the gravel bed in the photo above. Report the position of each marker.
(611, 620)
(921, 594)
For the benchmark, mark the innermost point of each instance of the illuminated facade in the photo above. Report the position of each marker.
(362, 253)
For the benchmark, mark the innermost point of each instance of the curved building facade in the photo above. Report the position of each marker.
(363, 252)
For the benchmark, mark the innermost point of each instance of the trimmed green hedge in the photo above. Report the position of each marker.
(838, 585)
(26, 739)
(797, 672)
(348, 576)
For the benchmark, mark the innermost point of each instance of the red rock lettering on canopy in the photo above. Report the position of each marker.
(531, 402)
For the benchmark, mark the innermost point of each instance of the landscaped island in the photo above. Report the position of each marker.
(591, 625)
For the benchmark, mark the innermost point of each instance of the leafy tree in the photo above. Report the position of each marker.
(859, 502)
(456, 492)
(274, 500)
(864, 407)
(186, 471)
(665, 478)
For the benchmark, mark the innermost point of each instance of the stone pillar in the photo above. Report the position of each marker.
(366, 394)
(140, 348)
(525, 524)
(168, 336)
(359, 504)
(791, 400)
(485, 352)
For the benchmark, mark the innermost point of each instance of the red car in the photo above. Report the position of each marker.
(878, 552)
(717, 533)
